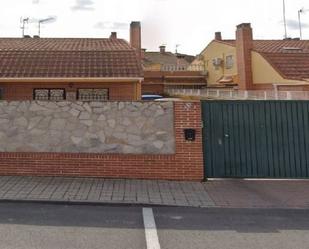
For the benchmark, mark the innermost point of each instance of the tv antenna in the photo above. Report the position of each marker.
(23, 22)
(301, 11)
(45, 20)
(284, 20)
(177, 46)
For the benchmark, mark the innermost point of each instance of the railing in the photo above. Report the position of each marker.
(239, 94)
(172, 68)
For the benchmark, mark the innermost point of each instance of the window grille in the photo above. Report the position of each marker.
(49, 94)
(93, 94)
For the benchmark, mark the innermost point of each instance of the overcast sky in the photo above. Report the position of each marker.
(189, 23)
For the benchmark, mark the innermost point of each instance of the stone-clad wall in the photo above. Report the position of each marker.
(95, 127)
(185, 164)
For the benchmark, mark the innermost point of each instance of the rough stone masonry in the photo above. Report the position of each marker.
(87, 127)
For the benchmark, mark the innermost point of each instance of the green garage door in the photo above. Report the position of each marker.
(256, 139)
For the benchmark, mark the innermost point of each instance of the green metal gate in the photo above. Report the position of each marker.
(257, 139)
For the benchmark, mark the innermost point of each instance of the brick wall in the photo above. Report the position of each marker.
(24, 91)
(244, 45)
(185, 164)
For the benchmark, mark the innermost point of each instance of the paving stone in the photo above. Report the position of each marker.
(101, 190)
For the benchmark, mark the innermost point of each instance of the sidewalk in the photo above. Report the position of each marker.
(91, 190)
(260, 193)
(221, 193)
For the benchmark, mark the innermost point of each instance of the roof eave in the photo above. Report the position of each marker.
(225, 43)
(73, 79)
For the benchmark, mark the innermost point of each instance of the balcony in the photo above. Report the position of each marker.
(176, 68)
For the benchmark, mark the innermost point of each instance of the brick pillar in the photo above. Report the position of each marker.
(244, 45)
(136, 37)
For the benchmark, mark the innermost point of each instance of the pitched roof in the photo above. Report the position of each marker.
(289, 57)
(290, 65)
(165, 59)
(188, 58)
(275, 46)
(67, 57)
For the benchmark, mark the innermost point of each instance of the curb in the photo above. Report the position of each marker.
(96, 203)
(130, 204)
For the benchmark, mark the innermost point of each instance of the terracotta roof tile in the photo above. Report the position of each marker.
(165, 59)
(66, 57)
(289, 57)
(275, 46)
(64, 44)
(290, 65)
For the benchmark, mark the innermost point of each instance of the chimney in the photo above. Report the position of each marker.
(244, 45)
(113, 35)
(162, 49)
(218, 36)
(135, 37)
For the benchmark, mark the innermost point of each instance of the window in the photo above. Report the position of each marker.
(49, 94)
(93, 94)
(229, 62)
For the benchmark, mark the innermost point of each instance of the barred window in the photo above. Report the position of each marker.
(93, 94)
(49, 94)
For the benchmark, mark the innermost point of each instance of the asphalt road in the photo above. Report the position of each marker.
(46, 226)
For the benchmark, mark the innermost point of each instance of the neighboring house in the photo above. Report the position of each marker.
(165, 61)
(164, 69)
(69, 69)
(256, 64)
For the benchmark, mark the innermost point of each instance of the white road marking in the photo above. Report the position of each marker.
(151, 234)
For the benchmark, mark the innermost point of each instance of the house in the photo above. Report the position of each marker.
(249, 64)
(163, 69)
(165, 61)
(70, 68)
